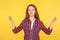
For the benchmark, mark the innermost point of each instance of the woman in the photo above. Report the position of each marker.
(32, 24)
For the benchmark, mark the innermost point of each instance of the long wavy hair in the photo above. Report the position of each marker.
(36, 13)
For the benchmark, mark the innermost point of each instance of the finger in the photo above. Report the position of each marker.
(10, 18)
(55, 19)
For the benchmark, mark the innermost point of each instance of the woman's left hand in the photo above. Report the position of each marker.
(52, 22)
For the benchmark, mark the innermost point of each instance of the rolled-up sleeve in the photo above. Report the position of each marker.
(19, 28)
(43, 28)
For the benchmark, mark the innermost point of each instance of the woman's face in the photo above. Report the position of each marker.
(31, 11)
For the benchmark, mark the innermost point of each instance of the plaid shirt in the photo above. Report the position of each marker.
(34, 33)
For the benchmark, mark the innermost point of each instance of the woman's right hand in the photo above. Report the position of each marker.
(11, 20)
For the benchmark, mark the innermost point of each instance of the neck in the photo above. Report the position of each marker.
(32, 18)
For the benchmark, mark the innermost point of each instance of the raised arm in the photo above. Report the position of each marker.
(46, 30)
(49, 29)
(19, 28)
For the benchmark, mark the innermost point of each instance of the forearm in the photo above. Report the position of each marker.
(51, 24)
(47, 30)
(16, 29)
(12, 22)
(13, 25)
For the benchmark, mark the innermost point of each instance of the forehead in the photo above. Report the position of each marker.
(31, 7)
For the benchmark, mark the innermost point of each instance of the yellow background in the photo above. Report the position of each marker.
(48, 9)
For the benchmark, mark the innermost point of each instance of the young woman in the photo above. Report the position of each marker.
(32, 24)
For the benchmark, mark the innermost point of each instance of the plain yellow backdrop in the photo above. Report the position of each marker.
(48, 9)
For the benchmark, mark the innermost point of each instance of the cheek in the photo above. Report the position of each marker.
(32, 12)
(29, 11)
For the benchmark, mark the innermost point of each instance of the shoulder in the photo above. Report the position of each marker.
(38, 20)
(24, 20)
